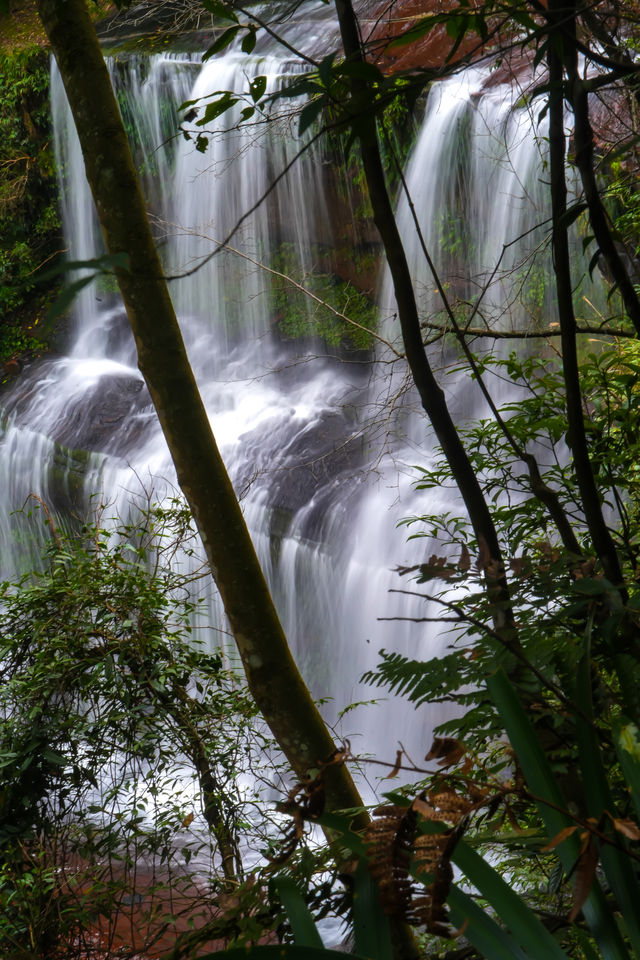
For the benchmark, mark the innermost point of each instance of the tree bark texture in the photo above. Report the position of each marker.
(273, 678)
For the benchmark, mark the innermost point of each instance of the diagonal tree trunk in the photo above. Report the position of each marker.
(273, 678)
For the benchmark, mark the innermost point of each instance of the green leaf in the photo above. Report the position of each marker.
(341, 824)
(325, 68)
(418, 30)
(305, 84)
(371, 930)
(249, 41)
(217, 108)
(616, 864)
(551, 804)
(593, 263)
(478, 23)
(586, 945)
(523, 18)
(257, 87)
(592, 586)
(484, 933)
(223, 41)
(540, 53)
(456, 27)
(627, 741)
(309, 114)
(524, 925)
(103, 264)
(66, 297)
(361, 70)
(220, 9)
(572, 213)
(302, 924)
(535, 766)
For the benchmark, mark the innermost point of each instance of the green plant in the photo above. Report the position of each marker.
(29, 220)
(546, 577)
(299, 316)
(371, 929)
(122, 737)
(557, 811)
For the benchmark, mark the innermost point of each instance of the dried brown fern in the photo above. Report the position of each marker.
(417, 840)
(390, 837)
(409, 847)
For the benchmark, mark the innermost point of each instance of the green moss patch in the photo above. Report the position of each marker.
(29, 219)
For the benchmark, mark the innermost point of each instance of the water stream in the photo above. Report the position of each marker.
(319, 455)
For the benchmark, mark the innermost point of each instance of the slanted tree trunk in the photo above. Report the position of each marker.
(273, 678)
(431, 394)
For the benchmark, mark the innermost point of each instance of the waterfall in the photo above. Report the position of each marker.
(303, 428)
(482, 205)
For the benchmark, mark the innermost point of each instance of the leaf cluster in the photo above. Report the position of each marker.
(29, 220)
(574, 667)
(122, 735)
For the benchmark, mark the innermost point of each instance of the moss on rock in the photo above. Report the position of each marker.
(29, 219)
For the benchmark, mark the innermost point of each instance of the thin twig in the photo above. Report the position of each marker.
(298, 286)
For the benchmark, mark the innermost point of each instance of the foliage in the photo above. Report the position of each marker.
(371, 930)
(125, 737)
(559, 586)
(545, 637)
(298, 316)
(29, 221)
(574, 666)
(623, 196)
(414, 840)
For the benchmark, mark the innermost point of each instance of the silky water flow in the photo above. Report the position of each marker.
(319, 446)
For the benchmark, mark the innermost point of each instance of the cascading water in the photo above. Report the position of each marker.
(293, 422)
(483, 206)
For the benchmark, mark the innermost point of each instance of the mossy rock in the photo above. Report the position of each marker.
(29, 219)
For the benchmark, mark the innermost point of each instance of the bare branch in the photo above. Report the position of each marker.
(222, 245)
(476, 332)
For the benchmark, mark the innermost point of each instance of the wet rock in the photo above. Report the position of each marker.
(94, 422)
(299, 467)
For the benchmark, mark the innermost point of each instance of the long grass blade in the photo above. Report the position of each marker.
(543, 784)
(627, 740)
(371, 930)
(490, 940)
(616, 863)
(524, 926)
(304, 929)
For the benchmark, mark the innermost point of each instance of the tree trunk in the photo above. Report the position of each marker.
(578, 97)
(273, 678)
(431, 395)
(560, 13)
